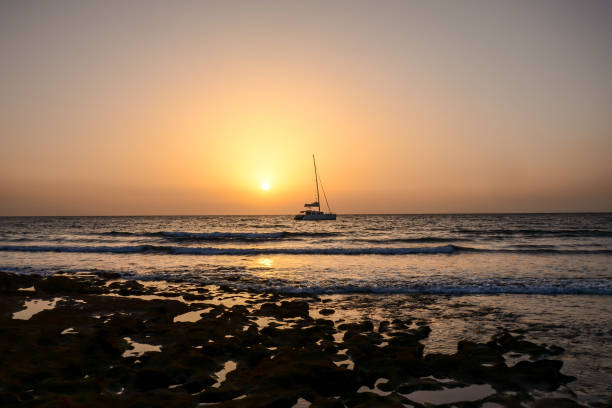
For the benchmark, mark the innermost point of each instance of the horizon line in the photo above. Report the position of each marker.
(339, 214)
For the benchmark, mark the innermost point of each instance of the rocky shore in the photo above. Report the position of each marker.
(98, 340)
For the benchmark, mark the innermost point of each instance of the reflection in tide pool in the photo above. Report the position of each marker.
(35, 306)
(451, 395)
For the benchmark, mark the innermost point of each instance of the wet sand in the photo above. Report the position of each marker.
(97, 340)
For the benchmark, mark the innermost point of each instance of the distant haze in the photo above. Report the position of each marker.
(181, 107)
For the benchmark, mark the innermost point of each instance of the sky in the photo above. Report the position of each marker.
(188, 107)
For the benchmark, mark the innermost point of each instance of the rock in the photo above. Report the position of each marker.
(417, 384)
(327, 312)
(127, 288)
(477, 353)
(192, 296)
(383, 326)
(556, 403)
(150, 379)
(506, 342)
(197, 384)
(541, 374)
(365, 326)
(108, 275)
(287, 309)
(371, 400)
(55, 284)
(322, 402)
(10, 282)
(217, 395)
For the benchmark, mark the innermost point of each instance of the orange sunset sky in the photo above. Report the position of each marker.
(185, 107)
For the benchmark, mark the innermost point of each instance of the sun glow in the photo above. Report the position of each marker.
(265, 185)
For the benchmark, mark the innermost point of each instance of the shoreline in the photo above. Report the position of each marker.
(103, 340)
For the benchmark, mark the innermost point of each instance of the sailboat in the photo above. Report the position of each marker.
(316, 215)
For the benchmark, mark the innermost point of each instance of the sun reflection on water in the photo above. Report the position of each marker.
(265, 262)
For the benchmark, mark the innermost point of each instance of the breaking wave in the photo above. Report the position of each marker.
(538, 232)
(177, 250)
(222, 236)
(173, 250)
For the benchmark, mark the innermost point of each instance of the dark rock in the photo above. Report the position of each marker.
(506, 342)
(54, 284)
(292, 309)
(477, 353)
(541, 374)
(149, 379)
(193, 296)
(418, 384)
(365, 326)
(327, 312)
(556, 403)
(383, 326)
(322, 402)
(371, 400)
(217, 395)
(10, 282)
(198, 384)
(108, 275)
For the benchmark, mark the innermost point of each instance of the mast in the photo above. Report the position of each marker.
(316, 181)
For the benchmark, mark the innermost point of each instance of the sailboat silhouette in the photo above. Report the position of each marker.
(316, 215)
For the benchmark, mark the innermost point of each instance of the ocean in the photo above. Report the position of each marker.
(426, 254)
(546, 275)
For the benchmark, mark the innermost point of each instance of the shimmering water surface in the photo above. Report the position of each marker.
(560, 254)
(549, 275)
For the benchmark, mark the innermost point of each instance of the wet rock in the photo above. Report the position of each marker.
(197, 384)
(169, 294)
(418, 384)
(506, 342)
(193, 296)
(216, 395)
(322, 402)
(128, 288)
(9, 399)
(69, 386)
(150, 379)
(383, 326)
(556, 403)
(275, 366)
(478, 353)
(108, 275)
(298, 370)
(10, 282)
(287, 309)
(371, 400)
(327, 312)
(55, 284)
(541, 374)
(365, 326)
(324, 323)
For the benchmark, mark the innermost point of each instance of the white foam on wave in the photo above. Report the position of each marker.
(220, 235)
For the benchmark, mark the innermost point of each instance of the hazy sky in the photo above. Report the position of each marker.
(178, 107)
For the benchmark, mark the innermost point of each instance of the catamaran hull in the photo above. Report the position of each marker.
(314, 217)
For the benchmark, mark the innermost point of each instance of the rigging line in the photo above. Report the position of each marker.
(324, 195)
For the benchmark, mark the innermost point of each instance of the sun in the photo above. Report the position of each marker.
(265, 185)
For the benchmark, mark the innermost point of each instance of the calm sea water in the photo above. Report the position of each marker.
(546, 275)
(452, 254)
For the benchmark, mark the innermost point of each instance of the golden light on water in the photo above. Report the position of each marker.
(265, 262)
